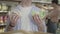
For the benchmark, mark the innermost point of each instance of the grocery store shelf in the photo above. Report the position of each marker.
(43, 2)
(32, 1)
(2, 25)
(40, 1)
(11, 0)
(3, 12)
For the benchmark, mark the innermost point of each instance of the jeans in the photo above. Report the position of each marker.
(51, 26)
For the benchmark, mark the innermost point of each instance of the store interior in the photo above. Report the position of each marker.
(5, 7)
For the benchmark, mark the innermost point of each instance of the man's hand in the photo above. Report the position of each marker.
(37, 19)
(38, 22)
(14, 19)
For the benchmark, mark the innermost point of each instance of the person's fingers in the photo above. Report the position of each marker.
(14, 21)
(16, 18)
(13, 16)
(37, 19)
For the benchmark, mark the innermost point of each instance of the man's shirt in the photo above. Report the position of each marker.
(25, 22)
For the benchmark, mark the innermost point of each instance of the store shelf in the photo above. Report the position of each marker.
(32, 1)
(40, 1)
(10, 0)
(3, 12)
(2, 25)
(43, 2)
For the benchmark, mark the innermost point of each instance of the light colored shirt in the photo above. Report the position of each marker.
(26, 22)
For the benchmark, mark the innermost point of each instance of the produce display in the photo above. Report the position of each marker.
(3, 16)
(0, 6)
(3, 7)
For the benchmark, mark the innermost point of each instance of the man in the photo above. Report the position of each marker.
(21, 18)
(53, 17)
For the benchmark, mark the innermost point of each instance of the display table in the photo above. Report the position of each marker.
(23, 32)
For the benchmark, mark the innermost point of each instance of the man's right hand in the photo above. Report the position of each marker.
(39, 22)
(14, 19)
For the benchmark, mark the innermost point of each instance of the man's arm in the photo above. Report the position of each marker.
(39, 22)
(13, 20)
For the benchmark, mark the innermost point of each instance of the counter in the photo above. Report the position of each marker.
(23, 32)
